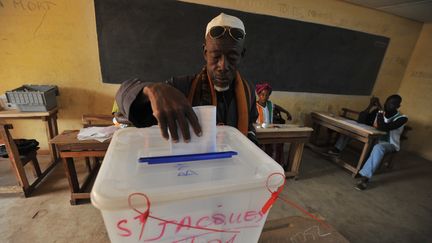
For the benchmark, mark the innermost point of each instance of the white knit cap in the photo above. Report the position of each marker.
(225, 20)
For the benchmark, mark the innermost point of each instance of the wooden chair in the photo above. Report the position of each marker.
(278, 118)
(18, 161)
(350, 114)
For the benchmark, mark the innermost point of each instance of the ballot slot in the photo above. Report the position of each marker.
(186, 157)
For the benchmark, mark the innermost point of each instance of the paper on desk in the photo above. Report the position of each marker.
(100, 134)
(204, 144)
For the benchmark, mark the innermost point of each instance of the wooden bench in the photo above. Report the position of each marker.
(387, 162)
(18, 161)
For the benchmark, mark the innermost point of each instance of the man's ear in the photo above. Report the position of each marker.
(243, 53)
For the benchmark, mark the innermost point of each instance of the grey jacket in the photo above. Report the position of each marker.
(136, 106)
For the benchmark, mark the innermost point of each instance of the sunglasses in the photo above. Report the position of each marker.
(217, 32)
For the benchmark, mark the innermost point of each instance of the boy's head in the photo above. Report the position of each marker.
(392, 103)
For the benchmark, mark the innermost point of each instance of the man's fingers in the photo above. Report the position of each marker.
(172, 125)
(163, 127)
(184, 126)
(172, 110)
(193, 119)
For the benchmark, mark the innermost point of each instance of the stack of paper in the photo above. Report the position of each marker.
(100, 134)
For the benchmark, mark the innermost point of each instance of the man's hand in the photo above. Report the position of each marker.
(289, 117)
(171, 108)
(374, 101)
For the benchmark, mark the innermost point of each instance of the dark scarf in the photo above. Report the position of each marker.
(202, 92)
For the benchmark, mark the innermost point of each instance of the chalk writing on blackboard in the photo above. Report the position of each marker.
(396, 60)
(28, 5)
(311, 233)
(320, 14)
(40, 23)
(255, 4)
(296, 12)
(299, 12)
(421, 74)
(356, 24)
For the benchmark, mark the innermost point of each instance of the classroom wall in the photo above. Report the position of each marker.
(55, 42)
(403, 34)
(415, 90)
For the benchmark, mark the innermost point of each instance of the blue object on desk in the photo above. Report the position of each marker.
(186, 157)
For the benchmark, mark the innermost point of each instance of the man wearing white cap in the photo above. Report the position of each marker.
(219, 83)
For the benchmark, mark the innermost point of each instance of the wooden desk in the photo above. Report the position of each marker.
(361, 132)
(287, 133)
(71, 148)
(50, 120)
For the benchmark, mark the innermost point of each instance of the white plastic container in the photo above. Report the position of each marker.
(222, 194)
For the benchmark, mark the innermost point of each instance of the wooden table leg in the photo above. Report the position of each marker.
(55, 133)
(294, 159)
(363, 155)
(279, 154)
(72, 177)
(50, 131)
(315, 134)
(297, 157)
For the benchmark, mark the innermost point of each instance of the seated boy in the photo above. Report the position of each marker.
(389, 120)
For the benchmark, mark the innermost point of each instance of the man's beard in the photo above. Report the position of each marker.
(221, 89)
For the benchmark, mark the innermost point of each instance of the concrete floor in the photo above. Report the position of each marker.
(396, 208)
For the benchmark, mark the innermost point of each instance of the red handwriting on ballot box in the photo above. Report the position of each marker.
(231, 222)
